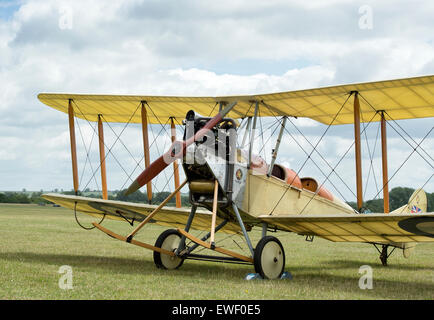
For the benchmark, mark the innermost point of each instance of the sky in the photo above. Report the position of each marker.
(204, 48)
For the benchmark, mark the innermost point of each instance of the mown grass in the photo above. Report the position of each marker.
(36, 241)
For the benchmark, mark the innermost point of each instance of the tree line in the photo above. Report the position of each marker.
(21, 197)
(398, 197)
(138, 197)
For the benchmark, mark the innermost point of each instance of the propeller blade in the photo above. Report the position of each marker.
(176, 151)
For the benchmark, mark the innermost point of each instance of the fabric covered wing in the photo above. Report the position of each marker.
(378, 228)
(401, 99)
(119, 210)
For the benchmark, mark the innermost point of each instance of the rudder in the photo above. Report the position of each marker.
(416, 204)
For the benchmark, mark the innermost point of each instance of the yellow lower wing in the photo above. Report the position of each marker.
(136, 212)
(377, 228)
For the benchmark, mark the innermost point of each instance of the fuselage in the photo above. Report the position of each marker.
(248, 181)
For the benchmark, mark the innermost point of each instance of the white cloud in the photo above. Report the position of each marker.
(185, 48)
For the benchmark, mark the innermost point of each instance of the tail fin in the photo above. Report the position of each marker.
(416, 204)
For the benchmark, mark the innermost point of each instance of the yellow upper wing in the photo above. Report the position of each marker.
(119, 210)
(378, 228)
(402, 99)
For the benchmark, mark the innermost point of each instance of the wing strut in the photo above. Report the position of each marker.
(246, 132)
(276, 148)
(214, 213)
(102, 159)
(252, 136)
(129, 238)
(73, 145)
(384, 163)
(175, 163)
(149, 217)
(146, 147)
(358, 151)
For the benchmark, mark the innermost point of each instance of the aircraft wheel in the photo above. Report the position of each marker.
(168, 240)
(269, 258)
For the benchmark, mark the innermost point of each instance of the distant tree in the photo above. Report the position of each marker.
(352, 204)
(72, 193)
(430, 200)
(369, 206)
(185, 200)
(142, 197)
(36, 198)
(375, 205)
(159, 197)
(15, 197)
(399, 196)
(137, 196)
(93, 195)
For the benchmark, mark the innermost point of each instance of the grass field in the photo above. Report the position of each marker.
(36, 241)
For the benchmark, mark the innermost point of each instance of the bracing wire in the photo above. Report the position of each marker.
(371, 166)
(396, 123)
(314, 149)
(321, 156)
(351, 146)
(415, 149)
(109, 149)
(371, 157)
(408, 157)
(87, 155)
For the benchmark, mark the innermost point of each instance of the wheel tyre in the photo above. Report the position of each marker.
(269, 258)
(168, 240)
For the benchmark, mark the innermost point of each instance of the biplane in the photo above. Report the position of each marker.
(233, 191)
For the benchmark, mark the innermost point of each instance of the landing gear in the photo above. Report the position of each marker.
(384, 256)
(269, 258)
(383, 253)
(168, 240)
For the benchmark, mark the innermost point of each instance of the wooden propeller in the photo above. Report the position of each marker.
(176, 151)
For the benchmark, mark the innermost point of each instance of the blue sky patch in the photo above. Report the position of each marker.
(8, 8)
